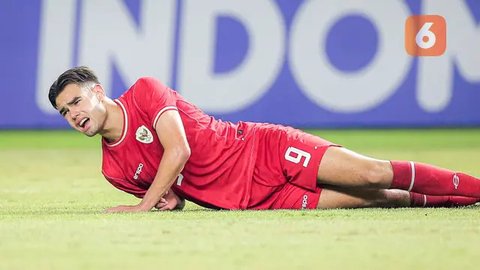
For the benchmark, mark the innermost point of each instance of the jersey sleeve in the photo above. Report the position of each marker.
(153, 98)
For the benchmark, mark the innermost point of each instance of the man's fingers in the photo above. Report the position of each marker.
(167, 206)
(161, 203)
(113, 209)
(164, 208)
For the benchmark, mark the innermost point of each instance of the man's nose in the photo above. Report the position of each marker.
(74, 113)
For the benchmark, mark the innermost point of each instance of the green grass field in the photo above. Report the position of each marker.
(52, 196)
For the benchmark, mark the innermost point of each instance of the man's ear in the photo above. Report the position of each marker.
(99, 92)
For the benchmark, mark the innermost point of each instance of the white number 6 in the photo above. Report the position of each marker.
(425, 32)
(298, 157)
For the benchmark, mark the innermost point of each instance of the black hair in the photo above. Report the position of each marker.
(77, 75)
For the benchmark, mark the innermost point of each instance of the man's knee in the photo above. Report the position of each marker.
(377, 174)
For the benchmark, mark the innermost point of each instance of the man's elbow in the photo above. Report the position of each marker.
(183, 153)
(178, 153)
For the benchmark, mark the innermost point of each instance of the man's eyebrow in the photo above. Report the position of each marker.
(73, 101)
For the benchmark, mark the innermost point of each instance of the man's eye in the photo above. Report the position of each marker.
(76, 101)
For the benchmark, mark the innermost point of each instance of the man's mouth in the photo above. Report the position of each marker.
(84, 122)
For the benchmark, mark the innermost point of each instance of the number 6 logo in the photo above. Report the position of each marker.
(297, 158)
(425, 35)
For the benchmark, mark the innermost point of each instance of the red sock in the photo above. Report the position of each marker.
(427, 179)
(422, 200)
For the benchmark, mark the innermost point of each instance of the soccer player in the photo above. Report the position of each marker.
(163, 149)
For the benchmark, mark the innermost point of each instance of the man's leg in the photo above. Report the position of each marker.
(386, 198)
(344, 168)
(362, 198)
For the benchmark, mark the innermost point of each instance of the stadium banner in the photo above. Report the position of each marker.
(310, 63)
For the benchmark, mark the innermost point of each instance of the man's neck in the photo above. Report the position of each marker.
(112, 131)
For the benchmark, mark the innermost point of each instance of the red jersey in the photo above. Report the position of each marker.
(231, 166)
(222, 153)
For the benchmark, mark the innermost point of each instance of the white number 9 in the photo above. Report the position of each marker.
(425, 32)
(298, 157)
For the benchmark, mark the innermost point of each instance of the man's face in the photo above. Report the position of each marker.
(82, 108)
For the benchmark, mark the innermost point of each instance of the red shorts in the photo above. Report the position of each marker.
(286, 167)
(293, 197)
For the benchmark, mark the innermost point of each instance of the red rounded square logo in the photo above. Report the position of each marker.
(425, 35)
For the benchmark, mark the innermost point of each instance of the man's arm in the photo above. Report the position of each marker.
(171, 134)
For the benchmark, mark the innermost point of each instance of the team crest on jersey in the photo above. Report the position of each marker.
(144, 135)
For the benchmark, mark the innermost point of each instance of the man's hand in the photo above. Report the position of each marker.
(170, 202)
(127, 209)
